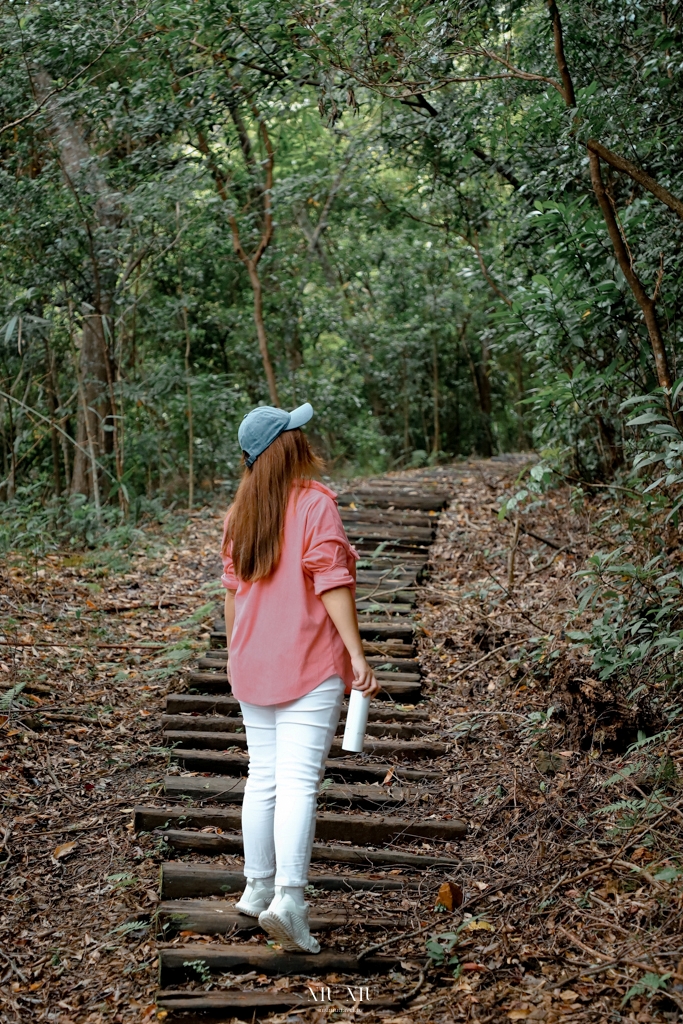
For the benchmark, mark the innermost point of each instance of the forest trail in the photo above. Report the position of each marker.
(567, 904)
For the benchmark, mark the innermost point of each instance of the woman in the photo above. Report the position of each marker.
(294, 650)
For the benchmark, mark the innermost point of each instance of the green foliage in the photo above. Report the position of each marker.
(649, 984)
(438, 279)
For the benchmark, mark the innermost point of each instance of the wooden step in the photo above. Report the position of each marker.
(231, 791)
(341, 771)
(218, 917)
(402, 686)
(180, 703)
(235, 723)
(187, 881)
(198, 1006)
(211, 844)
(390, 661)
(175, 962)
(360, 829)
(379, 629)
(393, 518)
(216, 659)
(385, 499)
(380, 533)
(392, 749)
(390, 607)
(385, 595)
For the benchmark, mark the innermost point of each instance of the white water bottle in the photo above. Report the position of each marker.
(356, 720)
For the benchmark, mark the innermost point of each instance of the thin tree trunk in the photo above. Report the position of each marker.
(646, 304)
(436, 448)
(87, 426)
(595, 151)
(251, 260)
(190, 420)
(52, 406)
(82, 174)
(252, 270)
(562, 67)
(406, 409)
(12, 478)
(483, 385)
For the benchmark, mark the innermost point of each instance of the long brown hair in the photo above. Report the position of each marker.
(256, 519)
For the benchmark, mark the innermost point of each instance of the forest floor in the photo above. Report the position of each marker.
(572, 896)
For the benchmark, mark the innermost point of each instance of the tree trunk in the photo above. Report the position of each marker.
(93, 409)
(436, 447)
(480, 376)
(562, 67)
(646, 304)
(255, 280)
(81, 172)
(52, 406)
(190, 418)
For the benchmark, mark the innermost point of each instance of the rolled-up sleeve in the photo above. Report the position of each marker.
(328, 557)
(228, 579)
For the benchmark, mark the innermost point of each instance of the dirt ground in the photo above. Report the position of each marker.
(572, 896)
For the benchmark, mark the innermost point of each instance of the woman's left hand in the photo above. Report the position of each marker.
(364, 677)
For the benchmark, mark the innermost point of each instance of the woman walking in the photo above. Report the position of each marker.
(294, 650)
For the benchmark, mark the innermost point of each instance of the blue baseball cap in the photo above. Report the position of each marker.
(261, 426)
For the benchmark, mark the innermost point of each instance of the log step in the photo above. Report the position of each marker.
(218, 917)
(342, 771)
(393, 518)
(385, 595)
(183, 881)
(180, 703)
(211, 844)
(379, 604)
(197, 1006)
(231, 791)
(385, 499)
(403, 686)
(176, 963)
(388, 649)
(235, 723)
(369, 630)
(361, 829)
(216, 740)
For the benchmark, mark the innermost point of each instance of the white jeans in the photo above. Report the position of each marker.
(288, 745)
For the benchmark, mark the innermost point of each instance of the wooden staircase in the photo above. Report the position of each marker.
(372, 806)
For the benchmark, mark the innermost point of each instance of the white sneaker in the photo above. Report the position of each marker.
(286, 921)
(257, 896)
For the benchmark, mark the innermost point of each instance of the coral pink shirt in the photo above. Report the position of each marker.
(284, 643)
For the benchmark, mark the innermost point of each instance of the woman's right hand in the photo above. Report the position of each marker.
(227, 670)
(364, 677)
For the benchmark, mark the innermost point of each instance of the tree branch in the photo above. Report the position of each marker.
(558, 40)
(621, 164)
(497, 166)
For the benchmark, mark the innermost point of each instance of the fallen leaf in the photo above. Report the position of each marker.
(518, 1014)
(471, 966)
(450, 896)
(569, 996)
(479, 926)
(64, 849)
